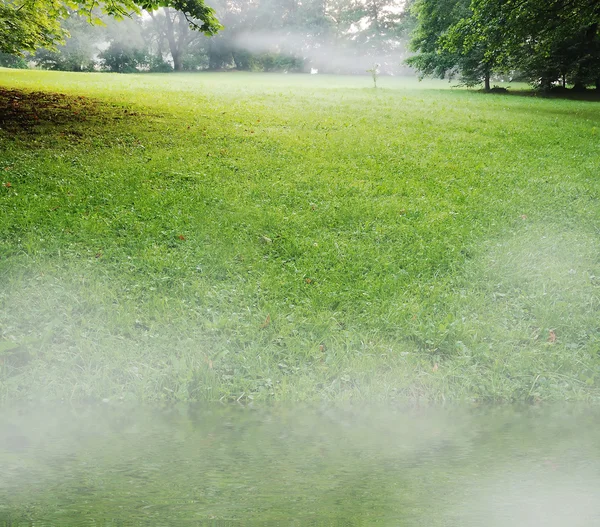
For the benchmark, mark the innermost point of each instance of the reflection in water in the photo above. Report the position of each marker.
(346, 465)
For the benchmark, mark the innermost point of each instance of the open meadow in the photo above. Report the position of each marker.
(235, 236)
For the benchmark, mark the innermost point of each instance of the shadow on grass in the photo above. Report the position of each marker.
(589, 112)
(560, 94)
(34, 112)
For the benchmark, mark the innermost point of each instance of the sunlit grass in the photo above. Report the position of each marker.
(237, 236)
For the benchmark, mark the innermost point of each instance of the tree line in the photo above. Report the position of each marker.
(553, 44)
(257, 35)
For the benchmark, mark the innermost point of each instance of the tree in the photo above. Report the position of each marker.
(548, 40)
(171, 26)
(448, 44)
(12, 61)
(26, 25)
(128, 50)
(79, 50)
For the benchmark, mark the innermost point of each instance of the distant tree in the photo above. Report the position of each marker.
(79, 51)
(375, 30)
(8, 60)
(120, 58)
(378, 24)
(173, 32)
(243, 44)
(128, 50)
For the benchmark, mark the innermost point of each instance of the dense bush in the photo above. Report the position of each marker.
(64, 60)
(119, 58)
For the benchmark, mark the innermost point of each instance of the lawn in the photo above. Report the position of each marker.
(294, 237)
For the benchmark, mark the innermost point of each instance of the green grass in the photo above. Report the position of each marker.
(238, 236)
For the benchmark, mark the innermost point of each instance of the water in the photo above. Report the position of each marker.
(290, 465)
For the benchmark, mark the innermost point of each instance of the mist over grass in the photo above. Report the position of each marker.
(320, 464)
(257, 237)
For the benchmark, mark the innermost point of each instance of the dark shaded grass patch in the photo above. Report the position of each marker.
(35, 111)
(50, 119)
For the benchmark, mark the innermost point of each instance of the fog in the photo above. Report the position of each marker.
(316, 465)
(269, 35)
(326, 54)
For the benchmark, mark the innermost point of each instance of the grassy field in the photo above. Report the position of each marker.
(255, 237)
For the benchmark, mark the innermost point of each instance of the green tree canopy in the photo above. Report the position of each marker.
(546, 41)
(26, 25)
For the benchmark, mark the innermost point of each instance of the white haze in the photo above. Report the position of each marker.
(325, 54)
(486, 467)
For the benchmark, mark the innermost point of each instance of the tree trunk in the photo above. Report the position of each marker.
(173, 44)
(212, 61)
(182, 44)
(486, 85)
(597, 84)
(177, 62)
(215, 55)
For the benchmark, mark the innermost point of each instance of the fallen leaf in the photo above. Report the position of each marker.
(308, 280)
(435, 367)
(181, 237)
(523, 216)
(266, 322)
(7, 184)
(552, 337)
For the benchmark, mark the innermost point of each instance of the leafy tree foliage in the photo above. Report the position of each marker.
(26, 25)
(434, 19)
(547, 41)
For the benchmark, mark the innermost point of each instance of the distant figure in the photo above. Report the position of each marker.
(314, 71)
